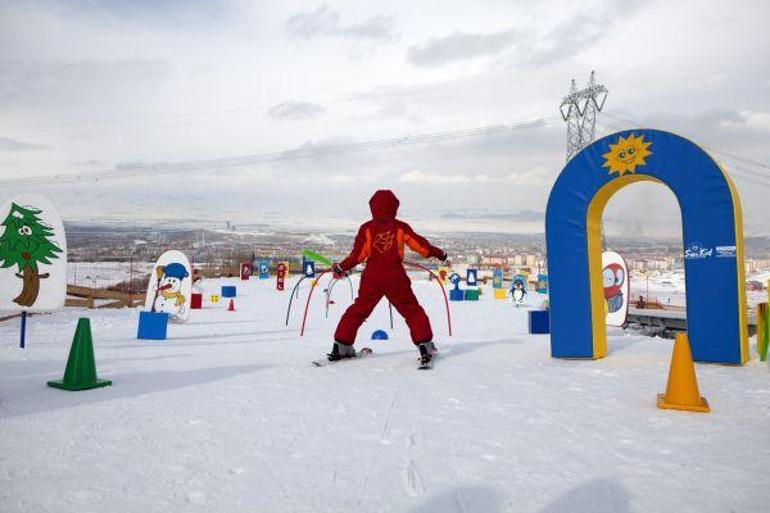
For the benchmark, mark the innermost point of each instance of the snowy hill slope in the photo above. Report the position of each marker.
(228, 415)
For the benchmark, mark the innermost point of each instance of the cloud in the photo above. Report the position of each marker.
(7, 144)
(577, 33)
(537, 176)
(748, 120)
(566, 39)
(334, 158)
(295, 111)
(358, 178)
(460, 46)
(88, 162)
(416, 176)
(723, 127)
(82, 83)
(533, 177)
(326, 22)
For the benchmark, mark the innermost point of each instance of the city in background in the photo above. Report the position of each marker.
(102, 256)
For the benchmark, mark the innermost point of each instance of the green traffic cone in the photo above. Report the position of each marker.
(80, 373)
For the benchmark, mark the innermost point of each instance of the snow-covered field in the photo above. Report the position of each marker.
(669, 288)
(228, 415)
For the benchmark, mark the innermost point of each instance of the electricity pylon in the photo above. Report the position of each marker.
(579, 109)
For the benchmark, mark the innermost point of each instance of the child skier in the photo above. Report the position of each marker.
(380, 242)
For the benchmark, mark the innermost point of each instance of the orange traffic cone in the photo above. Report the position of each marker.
(682, 389)
(231, 308)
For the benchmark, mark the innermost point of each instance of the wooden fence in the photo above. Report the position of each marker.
(87, 297)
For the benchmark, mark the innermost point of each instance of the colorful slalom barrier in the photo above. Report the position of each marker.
(309, 297)
(326, 271)
(330, 289)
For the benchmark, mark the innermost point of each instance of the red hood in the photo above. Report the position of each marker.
(384, 205)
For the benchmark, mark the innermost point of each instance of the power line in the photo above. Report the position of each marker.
(735, 170)
(423, 93)
(743, 159)
(278, 156)
(710, 148)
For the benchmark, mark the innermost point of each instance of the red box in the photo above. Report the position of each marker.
(196, 301)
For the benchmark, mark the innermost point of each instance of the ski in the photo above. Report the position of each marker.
(362, 353)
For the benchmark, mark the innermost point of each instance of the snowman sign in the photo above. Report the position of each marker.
(170, 287)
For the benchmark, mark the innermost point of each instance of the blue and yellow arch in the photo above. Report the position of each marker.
(713, 242)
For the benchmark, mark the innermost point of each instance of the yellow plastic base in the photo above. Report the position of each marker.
(703, 407)
(501, 293)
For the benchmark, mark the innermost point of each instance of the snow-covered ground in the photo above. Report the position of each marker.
(228, 415)
(669, 288)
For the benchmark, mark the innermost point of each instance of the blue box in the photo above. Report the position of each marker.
(456, 295)
(152, 326)
(539, 322)
(228, 291)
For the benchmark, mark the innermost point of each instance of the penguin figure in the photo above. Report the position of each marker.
(518, 291)
(169, 298)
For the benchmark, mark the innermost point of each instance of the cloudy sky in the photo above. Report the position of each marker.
(97, 87)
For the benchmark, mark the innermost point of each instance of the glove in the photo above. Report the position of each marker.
(442, 256)
(337, 271)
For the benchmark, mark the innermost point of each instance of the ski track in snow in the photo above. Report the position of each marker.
(228, 415)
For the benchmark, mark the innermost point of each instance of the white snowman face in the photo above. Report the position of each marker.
(170, 284)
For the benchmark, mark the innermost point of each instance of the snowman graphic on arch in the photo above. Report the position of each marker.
(169, 297)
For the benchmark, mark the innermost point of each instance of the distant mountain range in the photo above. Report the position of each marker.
(520, 215)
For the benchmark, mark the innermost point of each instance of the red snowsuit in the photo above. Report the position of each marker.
(380, 242)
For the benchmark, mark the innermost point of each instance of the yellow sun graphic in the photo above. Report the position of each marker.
(626, 154)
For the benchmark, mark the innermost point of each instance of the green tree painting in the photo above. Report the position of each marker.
(25, 243)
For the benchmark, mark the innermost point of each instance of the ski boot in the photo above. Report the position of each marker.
(340, 352)
(427, 351)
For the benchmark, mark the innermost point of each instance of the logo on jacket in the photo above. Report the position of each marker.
(383, 241)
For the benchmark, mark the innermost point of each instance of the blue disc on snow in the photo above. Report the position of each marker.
(380, 335)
